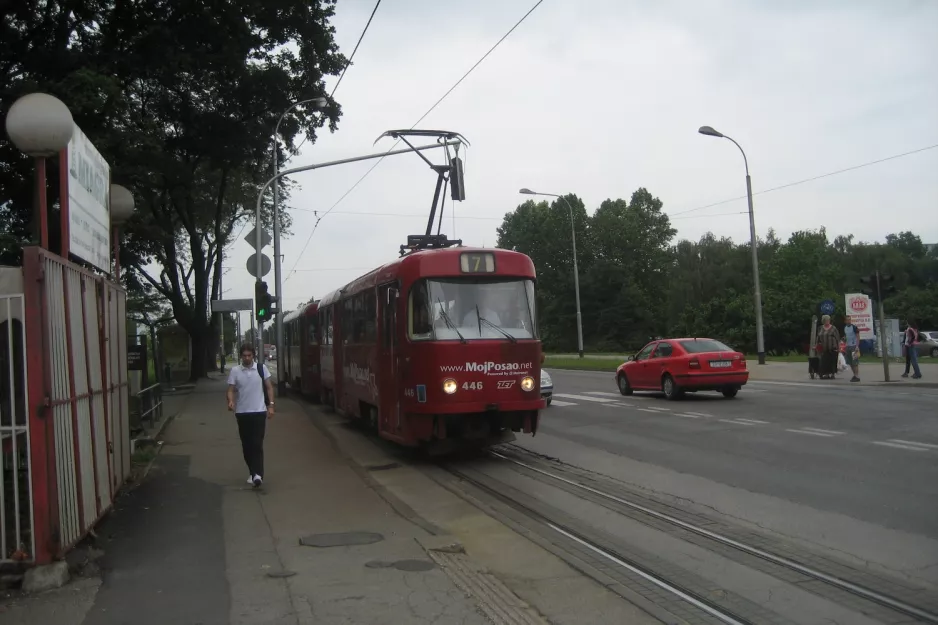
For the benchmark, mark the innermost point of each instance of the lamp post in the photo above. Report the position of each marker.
(576, 271)
(121, 209)
(757, 293)
(40, 126)
(318, 104)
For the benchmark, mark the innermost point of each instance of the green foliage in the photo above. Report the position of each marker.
(637, 282)
(181, 98)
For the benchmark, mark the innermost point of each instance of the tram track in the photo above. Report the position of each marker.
(838, 583)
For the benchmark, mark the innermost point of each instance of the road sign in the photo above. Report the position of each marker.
(231, 305)
(827, 307)
(251, 238)
(252, 265)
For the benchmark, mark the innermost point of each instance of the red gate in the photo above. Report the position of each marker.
(77, 402)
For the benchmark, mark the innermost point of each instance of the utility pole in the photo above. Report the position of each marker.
(880, 286)
(221, 316)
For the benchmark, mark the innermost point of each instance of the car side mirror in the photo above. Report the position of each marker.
(630, 358)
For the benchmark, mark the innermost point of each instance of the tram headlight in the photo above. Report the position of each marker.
(527, 383)
(449, 386)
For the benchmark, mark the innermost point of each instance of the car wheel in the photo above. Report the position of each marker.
(934, 352)
(549, 399)
(670, 388)
(730, 393)
(624, 387)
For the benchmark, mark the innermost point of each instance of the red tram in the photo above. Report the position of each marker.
(301, 344)
(436, 348)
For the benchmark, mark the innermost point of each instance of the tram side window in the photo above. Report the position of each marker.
(420, 317)
(326, 320)
(370, 314)
(348, 322)
(313, 325)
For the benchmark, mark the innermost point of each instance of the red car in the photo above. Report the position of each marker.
(674, 366)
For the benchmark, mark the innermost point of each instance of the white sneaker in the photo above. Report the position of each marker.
(251, 480)
(257, 480)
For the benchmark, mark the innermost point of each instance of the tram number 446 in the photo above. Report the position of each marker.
(472, 386)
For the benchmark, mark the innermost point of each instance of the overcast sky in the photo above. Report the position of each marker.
(600, 97)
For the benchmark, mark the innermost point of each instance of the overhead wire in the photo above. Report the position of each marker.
(348, 62)
(414, 125)
(806, 180)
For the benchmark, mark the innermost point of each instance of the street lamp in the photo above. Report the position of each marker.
(576, 271)
(318, 104)
(40, 125)
(121, 208)
(757, 295)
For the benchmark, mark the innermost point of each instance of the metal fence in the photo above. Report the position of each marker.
(16, 514)
(76, 404)
(150, 404)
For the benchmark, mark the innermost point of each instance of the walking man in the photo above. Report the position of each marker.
(852, 339)
(252, 407)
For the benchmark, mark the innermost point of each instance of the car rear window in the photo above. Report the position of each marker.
(705, 345)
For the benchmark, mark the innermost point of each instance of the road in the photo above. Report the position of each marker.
(854, 469)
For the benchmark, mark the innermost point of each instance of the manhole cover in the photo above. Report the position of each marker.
(342, 539)
(411, 566)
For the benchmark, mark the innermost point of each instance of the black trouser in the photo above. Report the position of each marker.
(251, 427)
(908, 359)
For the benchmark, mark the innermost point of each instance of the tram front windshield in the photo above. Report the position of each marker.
(454, 309)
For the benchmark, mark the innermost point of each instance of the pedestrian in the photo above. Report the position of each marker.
(252, 407)
(829, 340)
(911, 350)
(852, 339)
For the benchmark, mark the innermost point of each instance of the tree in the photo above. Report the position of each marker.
(186, 126)
(636, 283)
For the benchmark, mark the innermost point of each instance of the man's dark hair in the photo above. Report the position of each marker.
(248, 347)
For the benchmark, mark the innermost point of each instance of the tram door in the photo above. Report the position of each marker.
(389, 367)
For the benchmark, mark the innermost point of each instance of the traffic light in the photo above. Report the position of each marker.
(886, 287)
(878, 285)
(262, 301)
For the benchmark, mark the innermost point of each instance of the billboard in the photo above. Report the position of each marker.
(860, 309)
(89, 188)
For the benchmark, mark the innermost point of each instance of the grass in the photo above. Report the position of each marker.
(606, 364)
(584, 364)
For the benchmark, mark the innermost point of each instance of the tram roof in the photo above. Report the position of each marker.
(435, 263)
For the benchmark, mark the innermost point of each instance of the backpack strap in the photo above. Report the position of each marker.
(260, 372)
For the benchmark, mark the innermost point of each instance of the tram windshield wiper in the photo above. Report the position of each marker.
(495, 327)
(449, 322)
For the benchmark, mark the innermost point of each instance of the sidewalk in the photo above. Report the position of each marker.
(871, 374)
(196, 544)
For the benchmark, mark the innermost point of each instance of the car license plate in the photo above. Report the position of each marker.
(720, 364)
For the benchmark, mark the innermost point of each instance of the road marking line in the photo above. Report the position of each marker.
(928, 445)
(699, 414)
(899, 446)
(615, 405)
(584, 398)
(687, 415)
(832, 432)
(755, 421)
(659, 408)
(810, 432)
(605, 393)
(647, 410)
(557, 402)
(733, 421)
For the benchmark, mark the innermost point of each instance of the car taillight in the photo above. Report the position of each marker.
(694, 363)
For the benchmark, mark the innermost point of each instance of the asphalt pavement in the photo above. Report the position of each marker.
(869, 453)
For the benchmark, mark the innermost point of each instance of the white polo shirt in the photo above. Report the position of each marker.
(249, 386)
